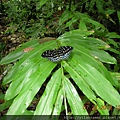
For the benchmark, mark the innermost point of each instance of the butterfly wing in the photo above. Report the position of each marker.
(64, 52)
(51, 55)
(48, 54)
(57, 55)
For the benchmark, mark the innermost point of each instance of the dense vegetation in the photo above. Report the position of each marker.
(87, 83)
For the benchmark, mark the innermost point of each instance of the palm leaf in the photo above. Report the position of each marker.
(31, 71)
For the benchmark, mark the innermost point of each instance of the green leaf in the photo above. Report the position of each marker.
(41, 3)
(102, 108)
(118, 14)
(80, 37)
(103, 56)
(73, 98)
(96, 81)
(19, 81)
(75, 34)
(116, 78)
(28, 113)
(79, 81)
(109, 11)
(114, 51)
(82, 25)
(100, 6)
(18, 53)
(66, 15)
(93, 22)
(5, 105)
(72, 21)
(112, 35)
(111, 41)
(58, 103)
(92, 3)
(30, 88)
(30, 59)
(29, 74)
(81, 43)
(85, 55)
(116, 111)
(50, 95)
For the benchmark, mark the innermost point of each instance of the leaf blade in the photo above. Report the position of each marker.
(74, 99)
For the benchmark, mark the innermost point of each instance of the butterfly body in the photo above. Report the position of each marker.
(59, 54)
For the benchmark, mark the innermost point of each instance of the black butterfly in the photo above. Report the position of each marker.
(59, 54)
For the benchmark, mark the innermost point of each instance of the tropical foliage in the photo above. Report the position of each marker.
(67, 85)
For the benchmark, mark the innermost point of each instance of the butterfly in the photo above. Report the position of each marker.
(59, 54)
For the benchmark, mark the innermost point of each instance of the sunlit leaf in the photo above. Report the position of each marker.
(103, 56)
(73, 98)
(81, 70)
(49, 96)
(18, 53)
